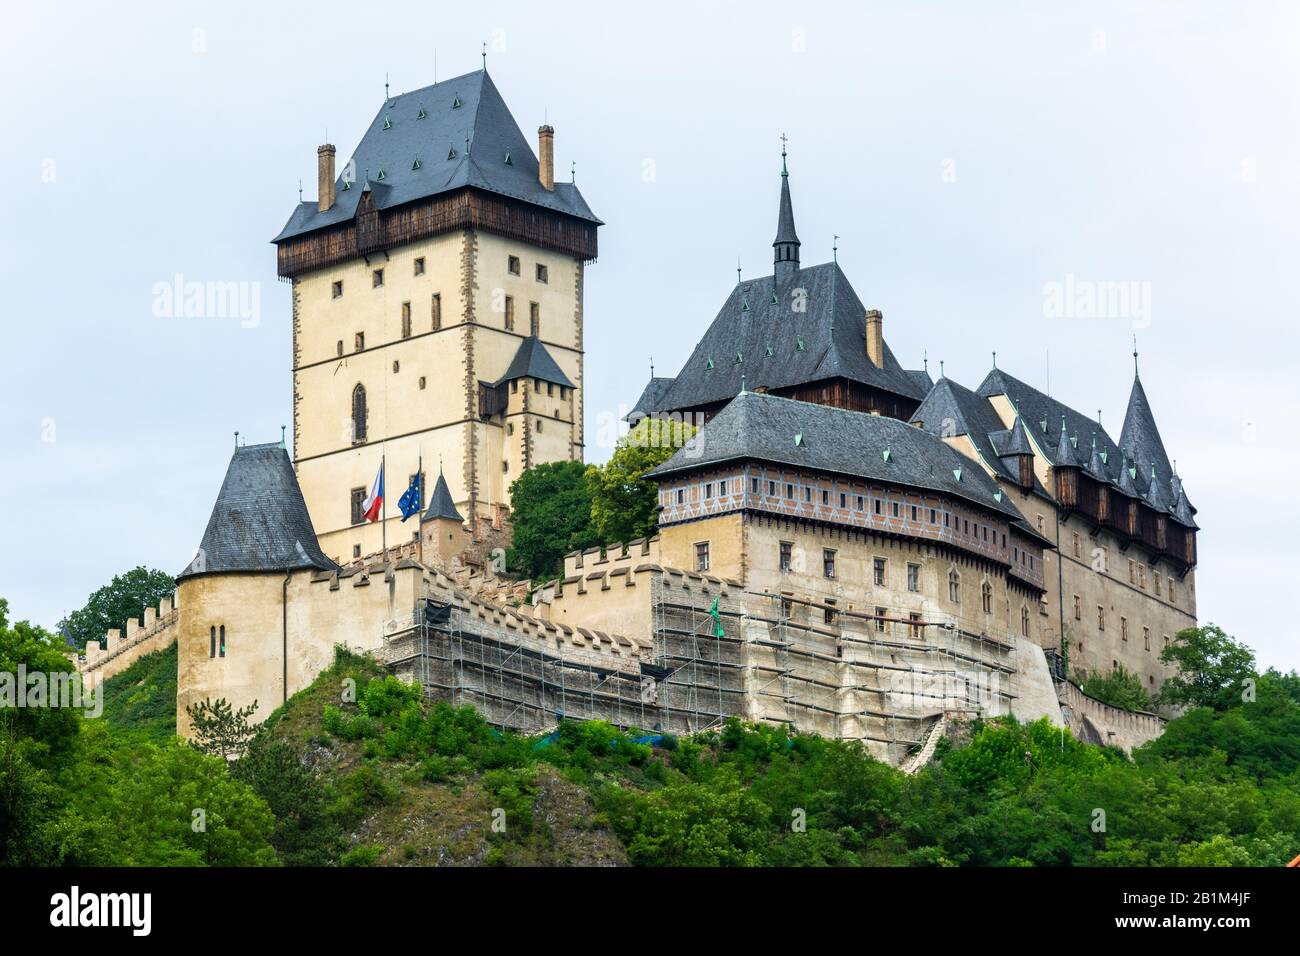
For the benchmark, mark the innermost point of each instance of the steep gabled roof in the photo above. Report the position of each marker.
(784, 431)
(952, 409)
(260, 521)
(427, 125)
(779, 332)
(651, 399)
(440, 502)
(1043, 414)
(533, 360)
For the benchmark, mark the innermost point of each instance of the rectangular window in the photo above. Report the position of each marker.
(933, 517)
(359, 341)
(510, 313)
(753, 485)
(1132, 572)
(512, 265)
(1123, 629)
(221, 641)
(406, 320)
(789, 491)
(880, 619)
(419, 265)
(771, 489)
(1078, 608)
(541, 273)
(826, 497)
(829, 615)
(828, 562)
(859, 503)
(876, 505)
(787, 550)
(708, 490)
(212, 641)
(358, 505)
(534, 319)
(1078, 545)
(1146, 638)
(878, 572)
(914, 577)
(377, 278)
(702, 556)
(914, 628)
(894, 506)
(436, 311)
(844, 500)
(1171, 590)
(807, 493)
(913, 512)
(1101, 618)
(336, 290)
(1142, 576)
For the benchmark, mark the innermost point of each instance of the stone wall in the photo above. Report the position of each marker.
(1097, 723)
(116, 653)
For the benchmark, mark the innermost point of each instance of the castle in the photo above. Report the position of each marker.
(846, 545)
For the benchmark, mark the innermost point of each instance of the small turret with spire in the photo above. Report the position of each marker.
(785, 247)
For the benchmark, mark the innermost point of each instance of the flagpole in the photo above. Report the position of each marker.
(383, 502)
(419, 515)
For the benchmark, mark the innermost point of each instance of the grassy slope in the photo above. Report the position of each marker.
(141, 701)
(418, 823)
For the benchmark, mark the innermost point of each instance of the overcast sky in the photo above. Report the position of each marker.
(967, 155)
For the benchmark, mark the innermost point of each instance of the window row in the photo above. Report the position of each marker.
(540, 272)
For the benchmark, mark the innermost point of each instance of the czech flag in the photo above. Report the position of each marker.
(376, 499)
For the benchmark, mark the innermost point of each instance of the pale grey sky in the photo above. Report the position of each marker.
(966, 153)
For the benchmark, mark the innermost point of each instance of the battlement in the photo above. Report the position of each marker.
(117, 652)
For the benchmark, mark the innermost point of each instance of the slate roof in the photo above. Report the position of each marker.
(438, 141)
(1139, 444)
(651, 398)
(260, 521)
(952, 409)
(533, 360)
(763, 427)
(440, 502)
(1139, 439)
(759, 322)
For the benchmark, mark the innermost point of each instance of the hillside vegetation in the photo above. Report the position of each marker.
(359, 769)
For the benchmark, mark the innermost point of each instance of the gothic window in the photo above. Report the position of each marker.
(406, 320)
(221, 641)
(534, 319)
(437, 311)
(986, 597)
(510, 313)
(954, 587)
(358, 497)
(359, 414)
(212, 641)
(1024, 622)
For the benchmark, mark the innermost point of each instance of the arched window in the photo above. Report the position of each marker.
(1024, 621)
(986, 597)
(954, 587)
(359, 414)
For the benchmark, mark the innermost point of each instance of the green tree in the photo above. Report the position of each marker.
(304, 833)
(551, 514)
(125, 597)
(1213, 669)
(1120, 688)
(219, 729)
(624, 503)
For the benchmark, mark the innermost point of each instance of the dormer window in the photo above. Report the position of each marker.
(455, 103)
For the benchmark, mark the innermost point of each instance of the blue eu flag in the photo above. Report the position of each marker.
(409, 503)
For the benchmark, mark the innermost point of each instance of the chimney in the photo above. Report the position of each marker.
(876, 338)
(325, 176)
(546, 157)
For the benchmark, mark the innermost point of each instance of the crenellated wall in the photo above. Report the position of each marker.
(1091, 720)
(156, 632)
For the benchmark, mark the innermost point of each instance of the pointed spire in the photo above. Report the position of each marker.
(1096, 466)
(1017, 441)
(785, 255)
(441, 504)
(1139, 438)
(1065, 456)
(1127, 482)
(1158, 496)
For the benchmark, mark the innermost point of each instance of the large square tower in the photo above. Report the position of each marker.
(437, 312)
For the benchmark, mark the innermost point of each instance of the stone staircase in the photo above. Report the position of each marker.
(922, 757)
